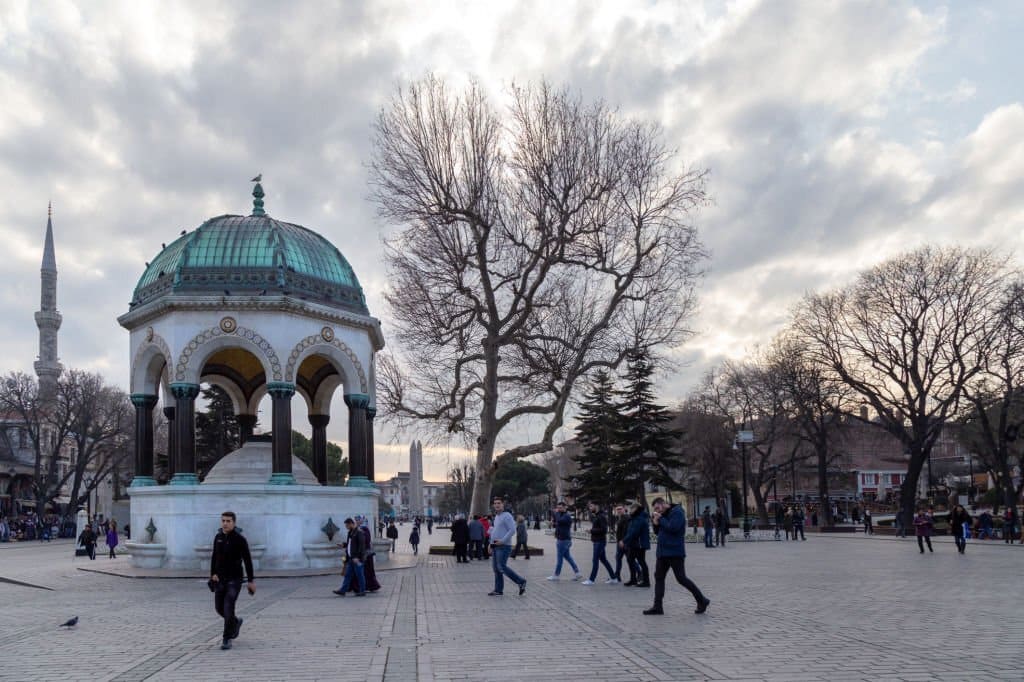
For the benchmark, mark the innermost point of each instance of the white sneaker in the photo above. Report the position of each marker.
(576, 577)
(611, 581)
(553, 577)
(587, 582)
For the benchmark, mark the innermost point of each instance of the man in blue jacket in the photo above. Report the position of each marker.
(670, 524)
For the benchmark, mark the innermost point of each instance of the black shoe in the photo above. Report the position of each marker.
(238, 628)
(226, 644)
(654, 611)
(522, 588)
(643, 584)
(338, 592)
(703, 606)
(631, 583)
(494, 594)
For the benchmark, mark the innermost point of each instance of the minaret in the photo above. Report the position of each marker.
(48, 320)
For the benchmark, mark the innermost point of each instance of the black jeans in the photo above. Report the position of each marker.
(460, 553)
(961, 543)
(599, 558)
(112, 555)
(224, 601)
(526, 549)
(476, 549)
(921, 539)
(678, 566)
(638, 558)
(619, 554)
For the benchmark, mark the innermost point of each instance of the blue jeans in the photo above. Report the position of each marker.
(499, 562)
(562, 549)
(599, 557)
(357, 569)
(709, 536)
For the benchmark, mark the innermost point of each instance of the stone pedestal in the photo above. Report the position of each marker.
(381, 550)
(148, 555)
(323, 555)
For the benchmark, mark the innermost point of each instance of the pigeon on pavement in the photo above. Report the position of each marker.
(71, 623)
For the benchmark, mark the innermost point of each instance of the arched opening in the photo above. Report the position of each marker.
(317, 378)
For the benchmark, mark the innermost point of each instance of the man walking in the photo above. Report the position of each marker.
(503, 532)
(563, 541)
(355, 553)
(599, 539)
(392, 535)
(798, 523)
(621, 550)
(670, 524)
(869, 528)
(709, 527)
(721, 526)
(476, 539)
(230, 555)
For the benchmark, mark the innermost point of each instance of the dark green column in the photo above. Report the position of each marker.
(246, 424)
(371, 412)
(144, 404)
(185, 423)
(357, 405)
(281, 393)
(172, 441)
(319, 423)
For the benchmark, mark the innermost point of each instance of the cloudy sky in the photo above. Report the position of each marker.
(836, 133)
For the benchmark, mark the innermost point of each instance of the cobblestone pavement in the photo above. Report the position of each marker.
(830, 608)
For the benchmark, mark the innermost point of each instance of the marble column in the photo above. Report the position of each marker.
(281, 393)
(371, 412)
(185, 427)
(357, 404)
(172, 441)
(319, 423)
(246, 424)
(144, 404)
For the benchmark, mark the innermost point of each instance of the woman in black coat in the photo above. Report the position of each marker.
(460, 538)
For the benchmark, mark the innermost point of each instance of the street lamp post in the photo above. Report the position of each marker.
(88, 497)
(744, 436)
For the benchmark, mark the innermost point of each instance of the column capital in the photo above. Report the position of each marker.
(357, 400)
(319, 420)
(281, 389)
(371, 412)
(182, 390)
(143, 400)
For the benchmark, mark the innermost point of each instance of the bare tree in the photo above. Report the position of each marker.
(535, 246)
(83, 430)
(815, 399)
(907, 336)
(707, 443)
(753, 397)
(994, 411)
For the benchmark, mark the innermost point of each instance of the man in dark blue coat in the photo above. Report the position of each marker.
(670, 524)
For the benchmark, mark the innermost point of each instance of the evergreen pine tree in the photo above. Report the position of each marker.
(597, 434)
(646, 451)
(217, 431)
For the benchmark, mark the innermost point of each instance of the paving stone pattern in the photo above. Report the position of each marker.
(830, 608)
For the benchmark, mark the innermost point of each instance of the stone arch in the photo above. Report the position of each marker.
(234, 391)
(321, 403)
(209, 341)
(149, 364)
(344, 359)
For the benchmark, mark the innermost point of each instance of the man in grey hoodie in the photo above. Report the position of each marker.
(503, 534)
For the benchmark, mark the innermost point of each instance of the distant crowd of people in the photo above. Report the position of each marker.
(30, 526)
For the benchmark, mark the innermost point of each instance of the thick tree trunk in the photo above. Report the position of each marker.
(825, 502)
(908, 491)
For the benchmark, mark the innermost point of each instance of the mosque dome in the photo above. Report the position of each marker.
(253, 255)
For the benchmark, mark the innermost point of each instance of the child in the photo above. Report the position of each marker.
(414, 539)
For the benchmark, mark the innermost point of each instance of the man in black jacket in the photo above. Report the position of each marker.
(230, 552)
(355, 553)
(621, 551)
(599, 539)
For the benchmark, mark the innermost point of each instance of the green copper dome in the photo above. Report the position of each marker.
(252, 255)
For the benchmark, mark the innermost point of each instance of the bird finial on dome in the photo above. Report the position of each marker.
(257, 193)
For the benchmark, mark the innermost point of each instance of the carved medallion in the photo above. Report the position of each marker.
(327, 334)
(149, 334)
(228, 325)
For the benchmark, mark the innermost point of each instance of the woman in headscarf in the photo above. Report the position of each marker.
(371, 575)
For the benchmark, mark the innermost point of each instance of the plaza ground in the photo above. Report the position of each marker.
(830, 608)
